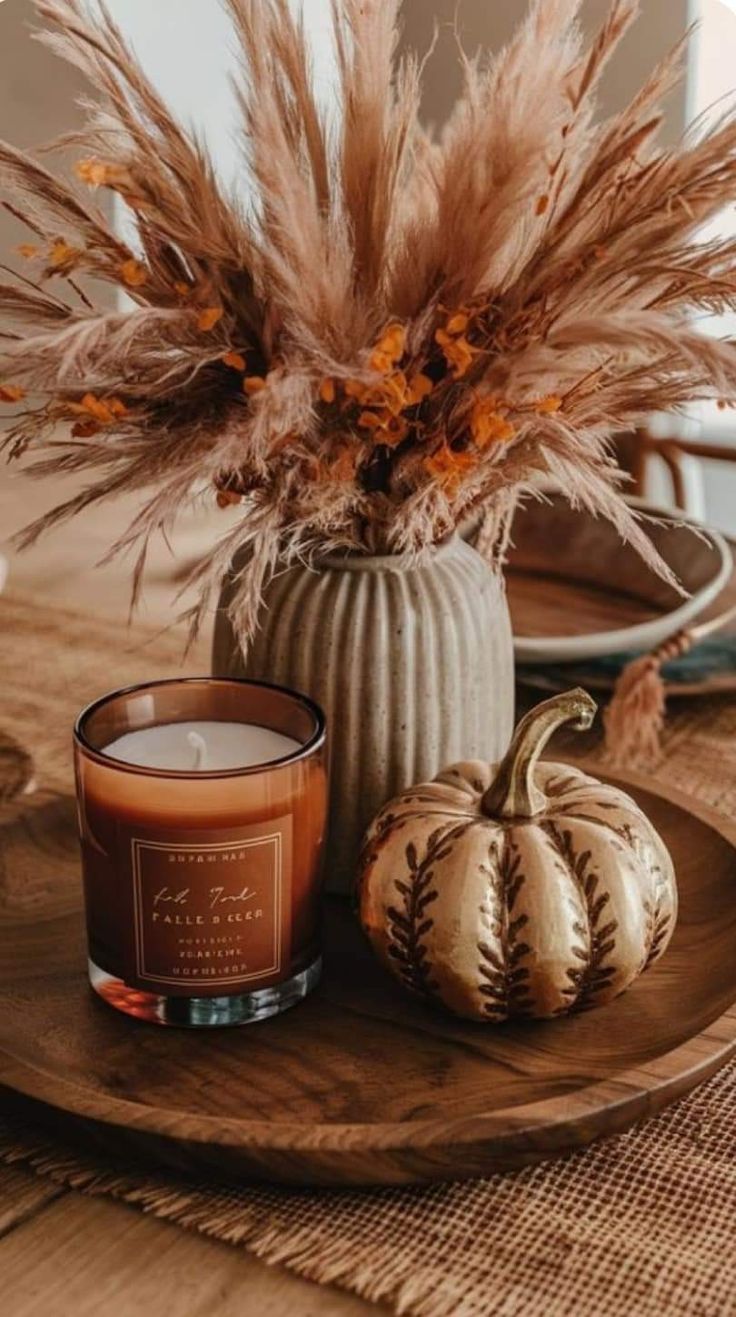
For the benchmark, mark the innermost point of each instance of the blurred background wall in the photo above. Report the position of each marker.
(186, 46)
(38, 95)
(480, 23)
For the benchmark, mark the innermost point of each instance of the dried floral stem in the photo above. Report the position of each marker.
(401, 332)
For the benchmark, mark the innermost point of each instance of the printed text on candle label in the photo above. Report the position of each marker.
(209, 913)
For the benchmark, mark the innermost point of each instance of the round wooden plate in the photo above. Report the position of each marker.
(577, 593)
(534, 607)
(358, 1085)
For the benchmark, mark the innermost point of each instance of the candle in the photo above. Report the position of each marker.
(202, 746)
(202, 810)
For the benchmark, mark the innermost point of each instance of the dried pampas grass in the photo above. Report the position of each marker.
(399, 332)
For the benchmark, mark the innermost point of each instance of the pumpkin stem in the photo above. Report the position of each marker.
(513, 792)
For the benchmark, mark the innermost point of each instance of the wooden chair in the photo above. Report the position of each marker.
(637, 450)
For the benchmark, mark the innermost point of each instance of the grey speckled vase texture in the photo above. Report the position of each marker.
(413, 665)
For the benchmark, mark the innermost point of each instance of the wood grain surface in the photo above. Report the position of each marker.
(82, 1257)
(359, 1084)
(568, 574)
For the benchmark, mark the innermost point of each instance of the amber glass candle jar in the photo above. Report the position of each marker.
(202, 807)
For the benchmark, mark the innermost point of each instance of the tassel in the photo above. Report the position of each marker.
(634, 719)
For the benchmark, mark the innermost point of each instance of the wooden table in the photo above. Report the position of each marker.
(63, 1254)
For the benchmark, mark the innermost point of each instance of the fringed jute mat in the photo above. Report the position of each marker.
(641, 1225)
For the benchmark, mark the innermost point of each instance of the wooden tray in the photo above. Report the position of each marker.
(577, 593)
(533, 608)
(358, 1085)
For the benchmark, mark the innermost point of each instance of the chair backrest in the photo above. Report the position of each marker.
(677, 454)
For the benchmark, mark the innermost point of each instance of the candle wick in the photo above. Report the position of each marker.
(199, 746)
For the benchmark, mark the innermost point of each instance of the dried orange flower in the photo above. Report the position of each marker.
(209, 317)
(62, 257)
(28, 250)
(448, 467)
(393, 393)
(234, 359)
(385, 402)
(101, 410)
(459, 353)
(96, 173)
(548, 406)
(327, 391)
(254, 384)
(91, 172)
(182, 289)
(11, 393)
(370, 421)
(389, 349)
(420, 387)
(133, 273)
(488, 425)
(542, 205)
(458, 323)
(387, 429)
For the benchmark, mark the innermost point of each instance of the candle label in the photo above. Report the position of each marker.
(210, 917)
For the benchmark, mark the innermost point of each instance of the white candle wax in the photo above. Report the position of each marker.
(201, 746)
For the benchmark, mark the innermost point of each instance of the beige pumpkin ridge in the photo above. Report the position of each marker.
(527, 889)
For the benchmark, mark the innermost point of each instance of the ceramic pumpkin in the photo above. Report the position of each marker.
(527, 889)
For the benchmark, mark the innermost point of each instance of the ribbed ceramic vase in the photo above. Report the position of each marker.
(413, 665)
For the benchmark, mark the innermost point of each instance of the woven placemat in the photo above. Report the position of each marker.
(641, 1225)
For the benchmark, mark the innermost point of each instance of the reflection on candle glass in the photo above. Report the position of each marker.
(202, 816)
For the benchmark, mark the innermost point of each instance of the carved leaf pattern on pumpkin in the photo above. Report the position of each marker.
(560, 786)
(593, 974)
(659, 924)
(409, 922)
(505, 978)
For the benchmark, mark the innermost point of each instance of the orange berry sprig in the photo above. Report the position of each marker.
(252, 384)
(133, 273)
(208, 317)
(448, 466)
(116, 177)
(94, 414)
(62, 258)
(97, 173)
(488, 424)
(452, 339)
(389, 350)
(235, 360)
(381, 403)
